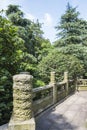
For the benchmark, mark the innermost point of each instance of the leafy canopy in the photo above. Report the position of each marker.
(58, 62)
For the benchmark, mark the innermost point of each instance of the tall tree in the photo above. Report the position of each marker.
(72, 29)
(11, 49)
(29, 31)
(73, 36)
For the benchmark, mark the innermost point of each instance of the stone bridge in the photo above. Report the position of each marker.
(57, 106)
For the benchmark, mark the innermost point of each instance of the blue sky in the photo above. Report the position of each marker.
(47, 11)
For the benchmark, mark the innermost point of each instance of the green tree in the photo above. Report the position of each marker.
(60, 63)
(72, 29)
(35, 45)
(29, 31)
(72, 36)
(16, 16)
(79, 51)
(11, 48)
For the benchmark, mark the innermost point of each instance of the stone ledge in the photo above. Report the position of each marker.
(23, 125)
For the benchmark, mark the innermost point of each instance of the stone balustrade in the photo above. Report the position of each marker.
(81, 84)
(42, 98)
(46, 96)
(29, 101)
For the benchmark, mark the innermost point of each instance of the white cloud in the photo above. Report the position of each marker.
(48, 26)
(47, 19)
(3, 4)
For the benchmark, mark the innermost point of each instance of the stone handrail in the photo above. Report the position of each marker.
(44, 97)
(82, 82)
(28, 102)
(35, 90)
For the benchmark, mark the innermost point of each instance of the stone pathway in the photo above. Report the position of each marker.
(4, 127)
(68, 115)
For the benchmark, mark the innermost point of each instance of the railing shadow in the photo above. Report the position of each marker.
(53, 121)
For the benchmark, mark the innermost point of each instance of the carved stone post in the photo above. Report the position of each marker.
(77, 88)
(53, 82)
(22, 118)
(52, 77)
(66, 80)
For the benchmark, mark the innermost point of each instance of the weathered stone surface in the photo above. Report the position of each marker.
(22, 103)
(52, 77)
(67, 84)
(42, 104)
(24, 125)
(22, 97)
(53, 82)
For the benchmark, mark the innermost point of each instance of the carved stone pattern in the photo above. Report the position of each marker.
(22, 97)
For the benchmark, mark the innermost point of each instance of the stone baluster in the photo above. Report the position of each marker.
(22, 117)
(67, 83)
(53, 82)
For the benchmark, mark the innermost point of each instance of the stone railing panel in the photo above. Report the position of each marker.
(61, 90)
(72, 86)
(42, 98)
(81, 84)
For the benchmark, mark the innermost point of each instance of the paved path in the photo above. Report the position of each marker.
(68, 115)
(4, 127)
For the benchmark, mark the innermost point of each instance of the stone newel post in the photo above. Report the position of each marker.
(66, 80)
(52, 77)
(53, 82)
(22, 103)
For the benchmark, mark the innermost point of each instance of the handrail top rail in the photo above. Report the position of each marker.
(81, 79)
(42, 88)
(61, 83)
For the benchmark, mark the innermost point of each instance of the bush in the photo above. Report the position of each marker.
(59, 63)
(5, 96)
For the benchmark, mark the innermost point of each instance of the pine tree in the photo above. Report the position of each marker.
(72, 29)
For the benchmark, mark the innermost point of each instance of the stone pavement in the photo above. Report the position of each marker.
(68, 115)
(4, 127)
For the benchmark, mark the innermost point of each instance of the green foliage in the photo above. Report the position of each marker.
(36, 47)
(72, 29)
(10, 46)
(79, 51)
(59, 63)
(5, 96)
(72, 36)
(38, 83)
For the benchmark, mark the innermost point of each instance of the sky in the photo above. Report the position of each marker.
(47, 12)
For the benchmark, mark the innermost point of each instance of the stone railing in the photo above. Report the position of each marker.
(81, 84)
(42, 98)
(28, 102)
(46, 96)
